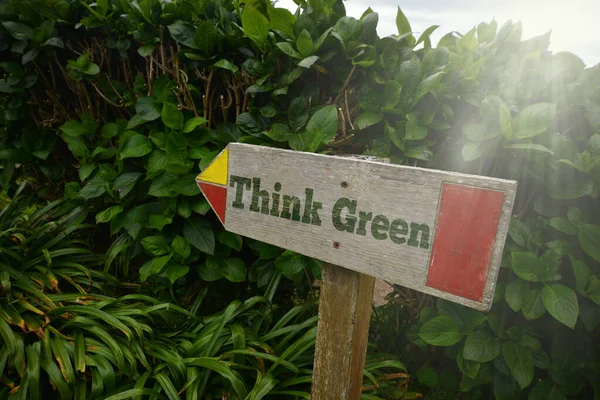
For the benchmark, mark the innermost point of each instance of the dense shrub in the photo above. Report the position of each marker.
(116, 105)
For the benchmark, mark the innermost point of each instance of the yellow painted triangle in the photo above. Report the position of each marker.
(216, 172)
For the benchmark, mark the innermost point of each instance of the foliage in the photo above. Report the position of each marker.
(61, 334)
(115, 106)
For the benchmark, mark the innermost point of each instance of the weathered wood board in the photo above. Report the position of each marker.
(438, 232)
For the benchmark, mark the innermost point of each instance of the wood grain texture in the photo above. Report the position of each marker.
(343, 334)
(395, 192)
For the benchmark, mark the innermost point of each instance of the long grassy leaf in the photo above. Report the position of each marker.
(296, 329)
(59, 348)
(385, 364)
(97, 385)
(295, 393)
(106, 372)
(262, 388)
(9, 337)
(112, 344)
(210, 348)
(102, 315)
(3, 359)
(131, 393)
(33, 370)
(80, 389)
(264, 356)
(297, 381)
(222, 368)
(79, 358)
(167, 386)
(56, 377)
(140, 382)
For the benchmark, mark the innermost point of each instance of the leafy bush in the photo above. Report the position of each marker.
(144, 94)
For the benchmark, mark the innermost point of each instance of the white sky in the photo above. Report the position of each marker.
(574, 23)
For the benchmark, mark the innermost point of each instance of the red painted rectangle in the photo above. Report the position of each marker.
(466, 228)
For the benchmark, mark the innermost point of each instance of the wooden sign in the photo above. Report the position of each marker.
(438, 232)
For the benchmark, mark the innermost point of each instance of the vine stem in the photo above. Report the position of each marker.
(345, 84)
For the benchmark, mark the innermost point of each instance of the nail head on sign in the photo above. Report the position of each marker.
(336, 245)
(344, 184)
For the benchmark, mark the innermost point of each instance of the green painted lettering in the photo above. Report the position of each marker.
(239, 189)
(336, 216)
(259, 194)
(398, 227)
(287, 204)
(363, 218)
(311, 215)
(275, 208)
(414, 234)
(379, 227)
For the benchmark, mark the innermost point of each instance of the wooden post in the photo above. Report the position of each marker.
(343, 333)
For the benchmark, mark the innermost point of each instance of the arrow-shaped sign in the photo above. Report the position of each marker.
(438, 232)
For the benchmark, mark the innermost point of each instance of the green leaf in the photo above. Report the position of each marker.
(153, 267)
(235, 269)
(205, 37)
(467, 367)
(589, 237)
(582, 274)
(181, 248)
(520, 362)
(191, 124)
(533, 305)
(562, 224)
(415, 132)
(515, 294)
(529, 146)
(304, 43)
(288, 49)
(290, 263)
(164, 186)
(200, 234)
(155, 245)
(297, 115)
(441, 331)
(74, 128)
(593, 290)
(125, 183)
(135, 146)
(427, 376)
(561, 303)
(368, 119)
(184, 33)
(402, 24)
(18, 30)
(94, 188)
(481, 346)
(212, 269)
(159, 221)
(175, 271)
(546, 390)
(230, 239)
(308, 62)
(108, 214)
(472, 151)
(30, 56)
(324, 123)
(255, 26)
(226, 64)
(533, 120)
(147, 108)
(529, 267)
(172, 116)
(282, 20)
(176, 149)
